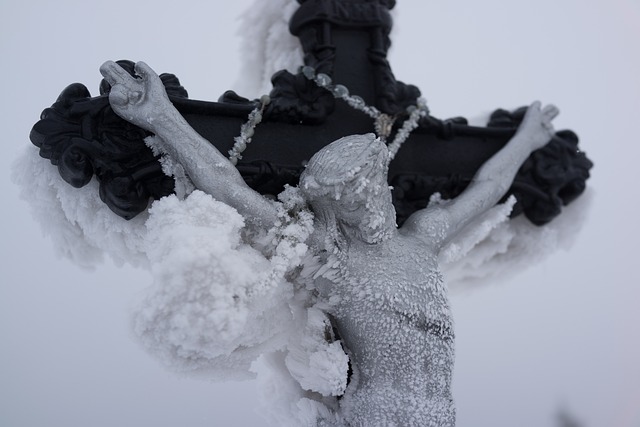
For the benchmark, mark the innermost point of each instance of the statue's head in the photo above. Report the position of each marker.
(347, 180)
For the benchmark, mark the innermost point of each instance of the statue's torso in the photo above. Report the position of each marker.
(392, 312)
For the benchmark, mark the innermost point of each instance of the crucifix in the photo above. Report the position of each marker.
(378, 283)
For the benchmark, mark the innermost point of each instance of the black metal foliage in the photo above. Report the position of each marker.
(84, 137)
(551, 177)
(297, 100)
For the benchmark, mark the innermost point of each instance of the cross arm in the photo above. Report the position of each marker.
(83, 137)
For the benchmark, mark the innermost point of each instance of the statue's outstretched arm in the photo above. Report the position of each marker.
(491, 182)
(143, 101)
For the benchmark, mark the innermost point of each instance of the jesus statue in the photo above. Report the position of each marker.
(380, 284)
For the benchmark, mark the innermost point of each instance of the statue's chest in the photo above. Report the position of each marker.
(394, 279)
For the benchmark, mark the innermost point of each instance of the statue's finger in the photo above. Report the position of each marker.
(119, 95)
(144, 71)
(114, 74)
(550, 112)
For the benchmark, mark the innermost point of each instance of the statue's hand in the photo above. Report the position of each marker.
(139, 100)
(536, 126)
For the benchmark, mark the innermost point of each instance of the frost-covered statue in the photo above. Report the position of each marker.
(380, 284)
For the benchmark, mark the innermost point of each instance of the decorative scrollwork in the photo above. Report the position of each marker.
(295, 99)
(83, 137)
(551, 177)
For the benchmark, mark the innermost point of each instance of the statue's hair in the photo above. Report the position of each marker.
(340, 163)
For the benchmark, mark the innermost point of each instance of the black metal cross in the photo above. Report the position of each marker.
(347, 40)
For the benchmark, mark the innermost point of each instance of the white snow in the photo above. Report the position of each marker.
(80, 225)
(267, 45)
(214, 306)
(494, 248)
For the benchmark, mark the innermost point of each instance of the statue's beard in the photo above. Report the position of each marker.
(376, 226)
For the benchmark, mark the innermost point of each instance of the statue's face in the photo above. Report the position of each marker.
(349, 178)
(365, 206)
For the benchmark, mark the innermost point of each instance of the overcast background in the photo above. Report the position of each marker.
(562, 336)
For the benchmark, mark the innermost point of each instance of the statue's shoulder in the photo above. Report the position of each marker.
(430, 225)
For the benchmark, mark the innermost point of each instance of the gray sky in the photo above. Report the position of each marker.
(563, 333)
